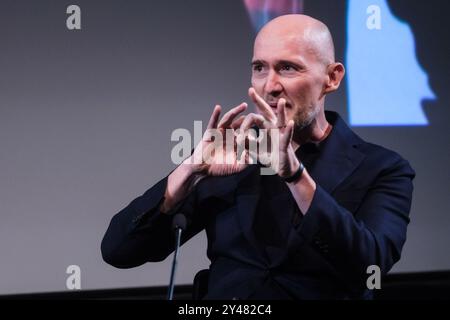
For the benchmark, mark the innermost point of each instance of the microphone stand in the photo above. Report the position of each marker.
(179, 224)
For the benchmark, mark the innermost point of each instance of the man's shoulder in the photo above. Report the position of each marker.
(378, 151)
(374, 152)
(383, 157)
(376, 156)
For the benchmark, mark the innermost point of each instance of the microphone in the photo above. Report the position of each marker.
(179, 221)
(179, 224)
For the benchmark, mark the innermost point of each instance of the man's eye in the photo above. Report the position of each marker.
(257, 68)
(287, 68)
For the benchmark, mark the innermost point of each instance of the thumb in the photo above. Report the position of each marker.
(287, 135)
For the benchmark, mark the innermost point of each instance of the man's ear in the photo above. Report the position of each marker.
(335, 73)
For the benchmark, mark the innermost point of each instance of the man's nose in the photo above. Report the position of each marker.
(273, 85)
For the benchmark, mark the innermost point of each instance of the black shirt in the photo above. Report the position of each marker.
(276, 199)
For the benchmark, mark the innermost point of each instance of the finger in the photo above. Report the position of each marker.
(252, 119)
(212, 124)
(237, 122)
(281, 113)
(244, 158)
(228, 117)
(287, 135)
(252, 156)
(242, 134)
(213, 120)
(262, 105)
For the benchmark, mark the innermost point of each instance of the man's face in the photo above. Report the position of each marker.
(284, 66)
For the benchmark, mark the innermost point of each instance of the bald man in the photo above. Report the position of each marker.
(335, 207)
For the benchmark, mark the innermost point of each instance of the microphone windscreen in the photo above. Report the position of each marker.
(179, 221)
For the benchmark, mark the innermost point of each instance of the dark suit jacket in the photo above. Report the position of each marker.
(358, 217)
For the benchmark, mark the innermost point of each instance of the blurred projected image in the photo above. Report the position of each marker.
(386, 85)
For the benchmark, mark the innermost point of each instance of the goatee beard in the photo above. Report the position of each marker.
(304, 118)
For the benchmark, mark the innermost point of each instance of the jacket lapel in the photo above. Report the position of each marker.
(338, 157)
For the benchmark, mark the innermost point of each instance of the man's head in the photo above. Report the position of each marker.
(293, 58)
